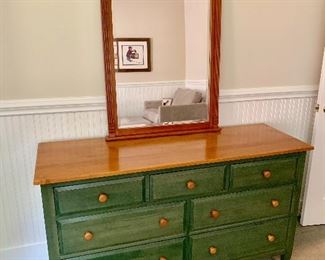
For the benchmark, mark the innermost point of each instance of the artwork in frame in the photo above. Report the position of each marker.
(133, 54)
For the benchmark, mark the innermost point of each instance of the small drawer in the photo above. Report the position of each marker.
(187, 182)
(263, 173)
(97, 195)
(241, 242)
(167, 250)
(239, 207)
(121, 227)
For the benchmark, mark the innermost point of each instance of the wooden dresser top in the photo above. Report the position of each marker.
(66, 161)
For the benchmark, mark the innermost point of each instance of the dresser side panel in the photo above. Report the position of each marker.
(294, 205)
(50, 222)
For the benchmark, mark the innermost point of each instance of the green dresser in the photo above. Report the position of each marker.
(240, 208)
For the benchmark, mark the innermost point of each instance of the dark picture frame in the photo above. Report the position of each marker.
(133, 54)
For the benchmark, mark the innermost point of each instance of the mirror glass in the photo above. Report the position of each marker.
(161, 51)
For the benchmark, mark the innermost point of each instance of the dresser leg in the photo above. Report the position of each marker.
(286, 256)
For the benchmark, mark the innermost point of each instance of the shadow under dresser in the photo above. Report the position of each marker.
(227, 195)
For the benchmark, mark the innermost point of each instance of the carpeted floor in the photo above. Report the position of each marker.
(309, 243)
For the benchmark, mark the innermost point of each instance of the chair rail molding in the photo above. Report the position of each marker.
(250, 94)
(97, 103)
(51, 105)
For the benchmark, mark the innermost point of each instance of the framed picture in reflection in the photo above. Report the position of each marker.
(133, 54)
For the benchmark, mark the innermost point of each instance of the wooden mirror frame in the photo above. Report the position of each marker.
(115, 133)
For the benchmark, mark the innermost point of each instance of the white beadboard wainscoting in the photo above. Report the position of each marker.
(25, 123)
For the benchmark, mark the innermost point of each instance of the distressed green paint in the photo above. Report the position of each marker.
(240, 242)
(207, 180)
(83, 197)
(50, 222)
(242, 206)
(239, 191)
(171, 250)
(294, 207)
(251, 174)
(120, 227)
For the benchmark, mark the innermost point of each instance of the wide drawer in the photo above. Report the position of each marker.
(243, 206)
(187, 182)
(241, 242)
(121, 227)
(263, 173)
(161, 250)
(95, 195)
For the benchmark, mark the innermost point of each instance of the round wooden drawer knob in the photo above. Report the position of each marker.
(163, 222)
(267, 174)
(212, 250)
(275, 203)
(103, 198)
(190, 185)
(88, 235)
(162, 258)
(214, 214)
(270, 238)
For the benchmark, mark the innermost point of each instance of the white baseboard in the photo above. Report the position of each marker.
(26, 252)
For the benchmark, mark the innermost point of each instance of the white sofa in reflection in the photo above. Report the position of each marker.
(186, 105)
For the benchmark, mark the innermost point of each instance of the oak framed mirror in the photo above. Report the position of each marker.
(161, 62)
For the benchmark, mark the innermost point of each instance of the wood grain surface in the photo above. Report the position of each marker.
(66, 161)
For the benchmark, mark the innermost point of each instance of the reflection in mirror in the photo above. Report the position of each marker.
(161, 61)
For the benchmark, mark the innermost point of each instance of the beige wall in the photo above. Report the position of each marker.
(1, 51)
(272, 42)
(197, 39)
(163, 22)
(53, 48)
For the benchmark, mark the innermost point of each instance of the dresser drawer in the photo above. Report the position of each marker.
(240, 242)
(96, 195)
(162, 250)
(121, 227)
(187, 182)
(243, 206)
(263, 173)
